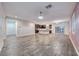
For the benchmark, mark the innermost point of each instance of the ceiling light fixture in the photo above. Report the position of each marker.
(40, 17)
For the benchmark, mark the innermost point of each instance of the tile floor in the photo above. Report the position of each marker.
(38, 45)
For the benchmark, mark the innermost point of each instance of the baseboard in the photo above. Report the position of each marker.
(24, 35)
(74, 46)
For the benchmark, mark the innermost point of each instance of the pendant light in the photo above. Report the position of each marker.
(40, 16)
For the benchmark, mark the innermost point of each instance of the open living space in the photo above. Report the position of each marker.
(39, 28)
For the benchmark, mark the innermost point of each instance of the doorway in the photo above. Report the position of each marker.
(59, 29)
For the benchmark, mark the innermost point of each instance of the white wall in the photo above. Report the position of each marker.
(25, 28)
(2, 32)
(2, 23)
(53, 28)
(1, 26)
(67, 28)
(2, 13)
(19, 27)
(1, 20)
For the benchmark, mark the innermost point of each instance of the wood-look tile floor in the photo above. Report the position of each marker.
(38, 45)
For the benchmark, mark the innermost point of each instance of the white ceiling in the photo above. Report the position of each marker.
(30, 10)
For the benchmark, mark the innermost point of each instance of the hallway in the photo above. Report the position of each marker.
(38, 45)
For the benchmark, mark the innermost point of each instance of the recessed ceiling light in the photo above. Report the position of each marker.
(40, 17)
